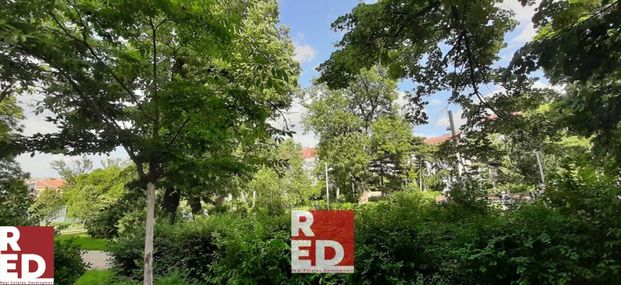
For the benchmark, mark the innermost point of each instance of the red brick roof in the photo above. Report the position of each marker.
(438, 140)
(309, 152)
(49, 183)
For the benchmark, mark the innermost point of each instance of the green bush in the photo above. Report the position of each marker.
(571, 236)
(104, 224)
(185, 247)
(84, 241)
(68, 264)
(173, 279)
(61, 226)
(109, 221)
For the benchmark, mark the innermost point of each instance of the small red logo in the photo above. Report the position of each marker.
(322, 241)
(27, 255)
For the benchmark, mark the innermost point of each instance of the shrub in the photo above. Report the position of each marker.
(184, 247)
(569, 237)
(68, 264)
(173, 279)
(104, 224)
(14, 201)
(61, 226)
(84, 241)
(109, 221)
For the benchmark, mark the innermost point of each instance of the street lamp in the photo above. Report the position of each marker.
(327, 185)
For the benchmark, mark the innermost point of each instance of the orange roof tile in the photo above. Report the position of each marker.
(49, 183)
(309, 152)
(438, 140)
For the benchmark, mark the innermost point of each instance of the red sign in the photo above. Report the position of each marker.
(27, 255)
(322, 241)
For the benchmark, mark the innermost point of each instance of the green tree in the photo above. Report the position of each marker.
(361, 135)
(391, 148)
(173, 83)
(14, 197)
(577, 45)
(93, 192)
(284, 184)
(47, 205)
(70, 172)
(440, 45)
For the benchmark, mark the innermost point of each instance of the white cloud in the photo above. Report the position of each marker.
(293, 117)
(39, 165)
(304, 53)
(528, 33)
(557, 88)
(444, 123)
(435, 102)
(401, 101)
(523, 14)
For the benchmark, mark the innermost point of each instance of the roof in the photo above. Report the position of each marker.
(494, 116)
(309, 152)
(49, 183)
(438, 140)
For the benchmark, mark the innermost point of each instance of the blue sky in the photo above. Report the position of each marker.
(309, 24)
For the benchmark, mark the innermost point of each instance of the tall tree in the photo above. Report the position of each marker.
(390, 149)
(284, 184)
(361, 134)
(439, 44)
(170, 82)
(14, 196)
(47, 205)
(70, 172)
(577, 45)
(93, 192)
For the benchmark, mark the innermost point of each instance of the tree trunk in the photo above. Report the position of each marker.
(195, 205)
(148, 240)
(219, 203)
(170, 203)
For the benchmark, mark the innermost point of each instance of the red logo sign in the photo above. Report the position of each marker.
(27, 255)
(322, 241)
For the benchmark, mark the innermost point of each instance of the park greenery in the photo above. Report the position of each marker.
(194, 93)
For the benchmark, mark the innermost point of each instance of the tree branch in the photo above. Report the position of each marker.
(84, 42)
(177, 133)
(472, 64)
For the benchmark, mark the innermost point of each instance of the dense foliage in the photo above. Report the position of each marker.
(278, 187)
(362, 136)
(14, 197)
(571, 236)
(90, 193)
(177, 84)
(68, 264)
(47, 206)
(192, 90)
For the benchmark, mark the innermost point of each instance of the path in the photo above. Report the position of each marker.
(97, 259)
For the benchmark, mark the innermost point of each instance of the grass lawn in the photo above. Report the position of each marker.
(95, 277)
(85, 242)
(102, 277)
(106, 277)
